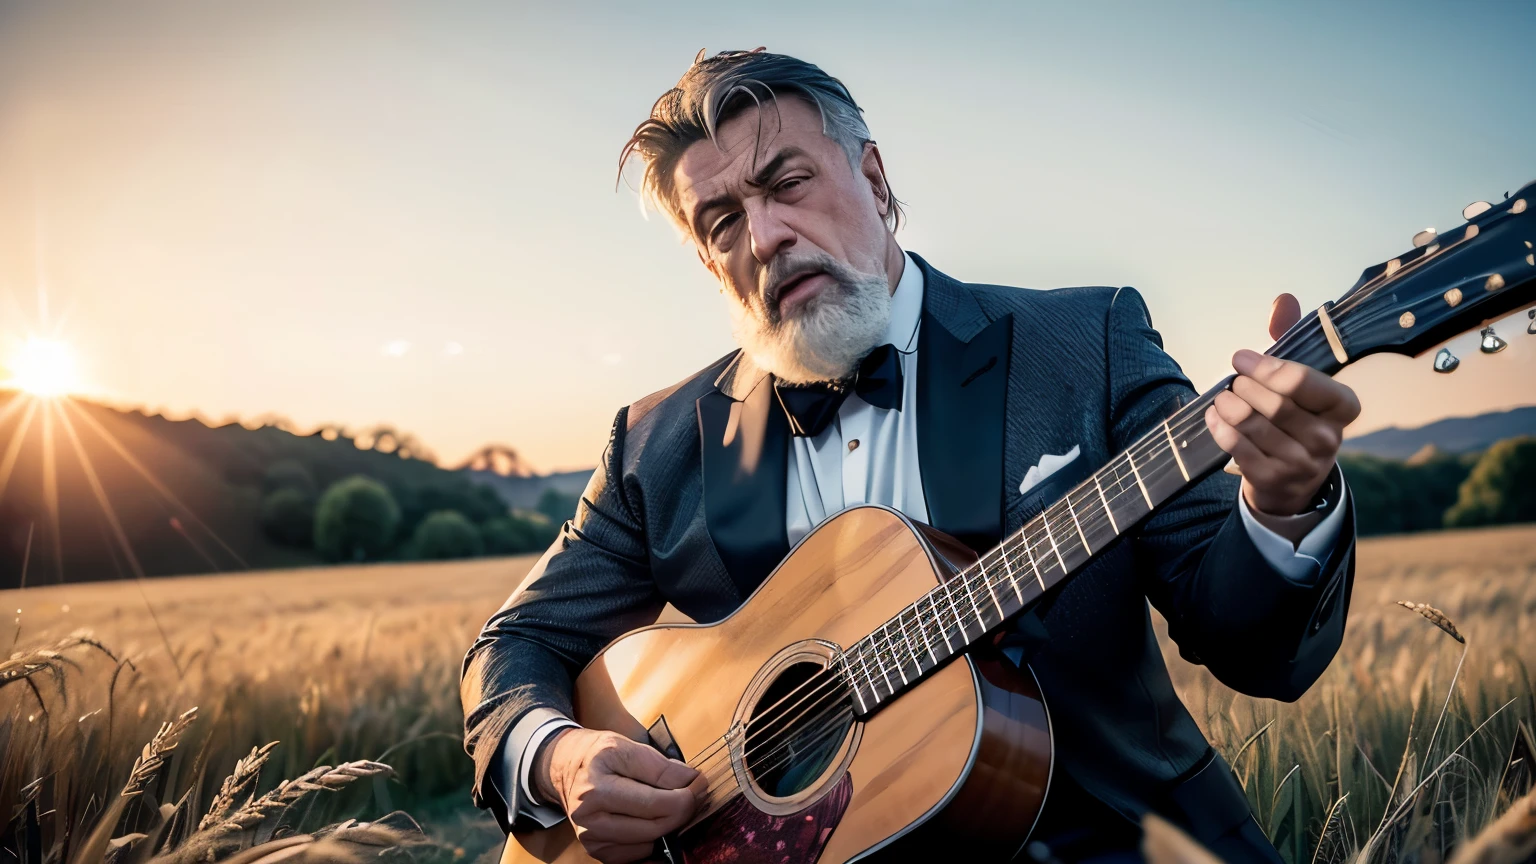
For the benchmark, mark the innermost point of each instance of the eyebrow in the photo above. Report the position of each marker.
(757, 180)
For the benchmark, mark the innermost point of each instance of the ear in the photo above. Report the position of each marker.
(873, 169)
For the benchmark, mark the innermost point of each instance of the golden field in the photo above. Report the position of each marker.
(361, 663)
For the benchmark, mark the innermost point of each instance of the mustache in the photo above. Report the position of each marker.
(781, 271)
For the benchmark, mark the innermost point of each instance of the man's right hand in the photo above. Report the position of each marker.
(621, 796)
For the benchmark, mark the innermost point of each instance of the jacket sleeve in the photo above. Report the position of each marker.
(1259, 632)
(592, 585)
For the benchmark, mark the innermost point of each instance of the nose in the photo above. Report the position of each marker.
(770, 234)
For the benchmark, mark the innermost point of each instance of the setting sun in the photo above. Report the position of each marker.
(44, 367)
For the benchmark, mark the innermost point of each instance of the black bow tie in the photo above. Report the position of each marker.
(812, 406)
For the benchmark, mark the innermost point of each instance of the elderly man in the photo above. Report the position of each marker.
(766, 164)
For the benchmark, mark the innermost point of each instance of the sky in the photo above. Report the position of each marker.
(378, 212)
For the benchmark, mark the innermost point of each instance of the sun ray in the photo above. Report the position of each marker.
(12, 450)
(110, 513)
(51, 491)
(154, 482)
(15, 404)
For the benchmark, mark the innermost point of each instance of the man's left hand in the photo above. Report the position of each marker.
(1282, 422)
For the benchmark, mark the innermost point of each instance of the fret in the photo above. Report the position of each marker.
(970, 594)
(1078, 525)
(1044, 520)
(923, 628)
(1008, 568)
(868, 678)
(938, 619)
(1030, 556)
(854, 685)
(1174, 446)
(987, 580)
(1105, 501)
(1143, 486)
(901, 664)
(885, 674)
(955, 610)
(907, 642)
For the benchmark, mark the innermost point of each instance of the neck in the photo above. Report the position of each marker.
(895, 262)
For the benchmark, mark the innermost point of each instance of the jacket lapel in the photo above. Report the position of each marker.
(962, 367)
(744, 443)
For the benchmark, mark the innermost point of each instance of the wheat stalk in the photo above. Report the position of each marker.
(1435, 617)
(289, 792)
(156, 753)
(237, 784)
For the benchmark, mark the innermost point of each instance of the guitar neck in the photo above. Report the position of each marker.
(1054, 545)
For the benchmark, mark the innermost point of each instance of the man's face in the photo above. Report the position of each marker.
(795, 234)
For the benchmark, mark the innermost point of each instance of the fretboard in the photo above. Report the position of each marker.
(1052, 546)
(1033, 560)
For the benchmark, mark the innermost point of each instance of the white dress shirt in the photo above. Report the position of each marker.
(868, 455)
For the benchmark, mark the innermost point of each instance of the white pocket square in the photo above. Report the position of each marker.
(1049, 464)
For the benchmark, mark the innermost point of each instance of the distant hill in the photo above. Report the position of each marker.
(1452, 435)
(524, 492)
(130, 491)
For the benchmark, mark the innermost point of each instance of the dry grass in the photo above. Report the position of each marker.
(345, 665)
(352, 665)
(1410, 727)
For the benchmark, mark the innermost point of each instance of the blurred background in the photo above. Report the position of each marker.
(399, 224)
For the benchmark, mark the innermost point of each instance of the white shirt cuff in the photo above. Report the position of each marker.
(513, 769)
(1303, 562)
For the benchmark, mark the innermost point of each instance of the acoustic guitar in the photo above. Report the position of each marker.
(844, 708)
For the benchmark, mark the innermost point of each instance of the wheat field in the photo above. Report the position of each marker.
(353, 671)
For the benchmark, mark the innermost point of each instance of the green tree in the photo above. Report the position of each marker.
(557, 505)
(1501, 487)
(356, 520)
(289, 474)
(511, 535)
(447, 534)
(288, 516)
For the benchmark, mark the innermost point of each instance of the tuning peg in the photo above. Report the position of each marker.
(1475, 209)
(1532, 329)
(1445, 361)
(1491, 343)
(1424, 238)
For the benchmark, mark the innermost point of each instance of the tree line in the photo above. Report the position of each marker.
(1432, 490)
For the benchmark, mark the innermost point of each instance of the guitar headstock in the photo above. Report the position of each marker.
(1449, 283)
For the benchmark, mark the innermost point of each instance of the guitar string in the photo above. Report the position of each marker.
(1149, 445)
(1153, 446)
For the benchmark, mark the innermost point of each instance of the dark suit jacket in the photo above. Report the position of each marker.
(688, 507)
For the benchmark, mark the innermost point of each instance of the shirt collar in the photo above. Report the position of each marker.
(906, 307)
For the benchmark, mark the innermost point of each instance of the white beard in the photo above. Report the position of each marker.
(829, 336)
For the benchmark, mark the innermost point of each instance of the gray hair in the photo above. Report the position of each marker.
(716, 89)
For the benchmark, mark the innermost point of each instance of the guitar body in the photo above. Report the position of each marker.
(962, 760)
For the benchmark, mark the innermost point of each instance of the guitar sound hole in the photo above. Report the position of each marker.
(796, 729)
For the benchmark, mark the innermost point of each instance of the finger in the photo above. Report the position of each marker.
(1283, 315)
(1308, 388)
(1320, 437)
(1265, 435)
(645, 764)
(633, 798)
(1248, 457)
